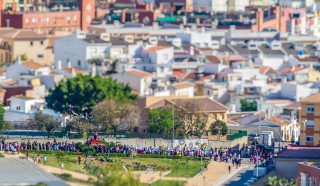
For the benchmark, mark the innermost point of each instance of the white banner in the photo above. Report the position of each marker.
(194, 143)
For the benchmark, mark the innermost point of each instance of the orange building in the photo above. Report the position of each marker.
(46, 21)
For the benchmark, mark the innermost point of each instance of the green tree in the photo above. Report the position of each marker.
(78, 95)
(118, 175)
(248, 105)
(44, 122)
(277, 181)
(87, 151)
(160, 121)
(110, 114)
(218, 128)
(24, 57)
(2, 122)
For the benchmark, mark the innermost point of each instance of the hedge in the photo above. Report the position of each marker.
(116, 155)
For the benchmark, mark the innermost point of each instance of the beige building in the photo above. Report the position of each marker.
(196, 105)
(310, 120)
(26, 44)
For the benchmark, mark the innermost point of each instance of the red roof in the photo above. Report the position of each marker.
(300, 151)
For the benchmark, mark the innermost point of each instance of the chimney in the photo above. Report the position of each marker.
(58, 67)
(94, 70)
(155, 25)
(181, 27)
(191, 50)
(203, 29)
(73, 72)
(105, 37)
(18, 61)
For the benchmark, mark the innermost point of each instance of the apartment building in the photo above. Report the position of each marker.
(310, 120)
(17, 42)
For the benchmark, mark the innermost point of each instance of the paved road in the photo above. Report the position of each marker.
(242, 176)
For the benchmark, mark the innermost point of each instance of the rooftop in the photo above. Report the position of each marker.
(140, 73)
(20, 34)
(23, 97)
(32, 65)
(157, 48)
(76, 70)
(315, 98)
(300, 152)
(16, 171)
(181, 85)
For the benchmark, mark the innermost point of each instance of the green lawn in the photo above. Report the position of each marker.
(168, 183)
(165, 164)
(138, 164)
(69, 161)
(1, 156)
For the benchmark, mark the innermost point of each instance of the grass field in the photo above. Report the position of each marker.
(178, 167)
(167, 183)
(69, 161)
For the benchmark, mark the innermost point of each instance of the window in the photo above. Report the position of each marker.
(18, 108)
(33, 107)
(165, 57)
(208, 92)
(79, 63)
(161, 69)
(310, 108)
(309, 139)
(31, 43)
(40, 56)
(310, 124)
(41, 42)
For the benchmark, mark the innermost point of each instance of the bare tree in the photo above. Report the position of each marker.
(192, 122)
(44, 122)
(110, 114)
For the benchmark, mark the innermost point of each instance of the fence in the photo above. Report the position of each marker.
(238, 135)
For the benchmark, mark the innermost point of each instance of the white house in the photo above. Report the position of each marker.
(294, 91)
(24, 104)
(32, 68)
(182, 89)
(78, 48)
(161, 58)
(138, 80)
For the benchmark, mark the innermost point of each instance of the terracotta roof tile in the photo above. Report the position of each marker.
(181, 85)
(205, 104)
(77, 71)
(213, 59)
(140, 73)
(279, 121)
(315, 98)
(157, 48)
(33, 65)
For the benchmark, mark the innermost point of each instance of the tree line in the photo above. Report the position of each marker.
(102, 104)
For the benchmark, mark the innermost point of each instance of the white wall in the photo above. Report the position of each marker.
(25, 105)
(73, 49)
(213, 68)
(138, 84)
(15, 70)
(182, 92)
(274, 62)
(294, 91)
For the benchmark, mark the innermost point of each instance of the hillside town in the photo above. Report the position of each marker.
(224, 92)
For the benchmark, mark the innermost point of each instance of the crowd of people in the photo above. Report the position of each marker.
(231, 155)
